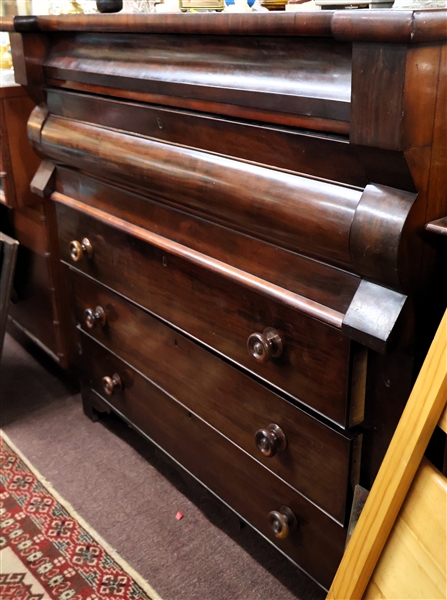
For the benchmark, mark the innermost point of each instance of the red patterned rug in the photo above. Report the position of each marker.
(47, 552)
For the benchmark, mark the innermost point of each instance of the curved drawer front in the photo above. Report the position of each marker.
(368, 232)
(314, 365)
(245, 485)
(264, 77)
(313, 458)
(302, 214)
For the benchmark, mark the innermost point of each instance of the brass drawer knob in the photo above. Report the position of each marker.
(80, 249)
(94, 317)
(112, 384)
(282, 522)
(264, 346)
(271, 440)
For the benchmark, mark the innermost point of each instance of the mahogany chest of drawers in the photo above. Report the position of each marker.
(243, 203)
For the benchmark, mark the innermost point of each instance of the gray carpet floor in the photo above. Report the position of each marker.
(130, 493)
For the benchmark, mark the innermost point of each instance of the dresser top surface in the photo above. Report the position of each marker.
(387, 26)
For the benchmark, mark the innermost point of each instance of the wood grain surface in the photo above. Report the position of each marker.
(298, 213)
(228, 400)
(244, 484)
(311, 279)
(218, 309)
(422, 412)
(231, 174)
(404, 26)
(413, 562)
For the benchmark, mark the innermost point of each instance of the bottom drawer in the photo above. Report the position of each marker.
(316, 544)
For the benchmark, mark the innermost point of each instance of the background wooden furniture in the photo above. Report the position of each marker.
(399, 546)
(242, 203)
(18, 159)
(39, 307)
(8, 255)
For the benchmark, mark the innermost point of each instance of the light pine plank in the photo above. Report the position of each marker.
(443, 421)
(413, 562)
(422, 413)
(374, 591)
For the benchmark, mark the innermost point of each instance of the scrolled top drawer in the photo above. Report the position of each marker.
(302, 214)
(365, 231)
(286, 79)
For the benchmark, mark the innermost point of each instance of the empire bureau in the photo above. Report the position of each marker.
(249, 206)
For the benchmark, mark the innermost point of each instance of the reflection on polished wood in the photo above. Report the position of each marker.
(259, 193)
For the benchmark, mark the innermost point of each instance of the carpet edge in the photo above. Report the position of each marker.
(145, 586)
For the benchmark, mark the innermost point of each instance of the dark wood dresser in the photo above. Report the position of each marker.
(245, 204)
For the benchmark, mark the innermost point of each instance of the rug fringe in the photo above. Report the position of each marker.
(145, 586)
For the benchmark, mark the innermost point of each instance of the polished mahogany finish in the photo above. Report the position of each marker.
(285, 148)
(282, 522)
(439, 226)
(253, 491)
(93, 317)
(79, 250)
(113, 384)
(271, 440)
(227, 399)
(315, 365)
(265, 346)
(260, 194)
(305, 215)
(325, 293)
(18, 161)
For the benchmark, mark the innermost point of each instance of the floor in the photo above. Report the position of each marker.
(130, 493)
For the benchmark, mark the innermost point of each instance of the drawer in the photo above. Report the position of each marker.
(316, 460)
(315, 366)
(244, 484)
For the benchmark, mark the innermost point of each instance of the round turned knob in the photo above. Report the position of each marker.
(271, 440)
(92, 317)
(79, 249)
(264, 346)
(282, 522)
(112, 384)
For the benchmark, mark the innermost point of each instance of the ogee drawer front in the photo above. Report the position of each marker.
(314, 363)
(310, 456)
(245, 485)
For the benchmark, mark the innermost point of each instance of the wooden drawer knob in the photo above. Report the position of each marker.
(271, 440)
(264, 346)
(80, 249)
(112, 384)
(282, 522)
(94, 317)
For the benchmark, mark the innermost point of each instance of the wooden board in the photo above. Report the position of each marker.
(422, 413)
(413, 563)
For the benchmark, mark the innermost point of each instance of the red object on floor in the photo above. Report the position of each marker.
(179, 515)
